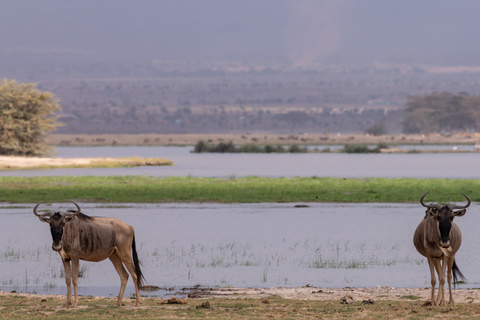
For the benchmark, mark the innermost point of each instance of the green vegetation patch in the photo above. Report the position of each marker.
(234, 190)
(229, 147)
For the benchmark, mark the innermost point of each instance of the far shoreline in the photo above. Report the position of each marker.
(259, 138)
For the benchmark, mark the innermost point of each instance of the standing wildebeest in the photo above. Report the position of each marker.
(77, 236)
(438, 238)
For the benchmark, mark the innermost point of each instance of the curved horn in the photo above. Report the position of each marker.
(78, 207)
(453, 207)
(72, 212)
(47, 214)
(433, 205)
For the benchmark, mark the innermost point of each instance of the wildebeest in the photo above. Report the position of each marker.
(438, 238)
(77, 236)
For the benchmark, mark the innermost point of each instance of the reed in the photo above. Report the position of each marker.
(142, 189)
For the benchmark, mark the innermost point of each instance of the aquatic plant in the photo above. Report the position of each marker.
(222, 147)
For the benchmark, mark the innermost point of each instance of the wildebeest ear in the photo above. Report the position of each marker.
(69, 218)
(460, 213)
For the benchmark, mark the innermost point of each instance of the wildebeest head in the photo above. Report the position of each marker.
(57, 221)
(443, 215)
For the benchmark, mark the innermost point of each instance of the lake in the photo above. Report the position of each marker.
(419, 165)
(247, 245)
(241, 245)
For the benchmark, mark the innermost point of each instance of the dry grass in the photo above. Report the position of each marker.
(256, 138)
(18, 306)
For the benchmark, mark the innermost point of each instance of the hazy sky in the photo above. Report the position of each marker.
(300, 32)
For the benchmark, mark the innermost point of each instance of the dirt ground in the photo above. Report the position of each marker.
(312, 293)
(258, 138)
(355, 294)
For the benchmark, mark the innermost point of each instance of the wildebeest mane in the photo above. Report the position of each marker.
(82, 216)
(89, 233)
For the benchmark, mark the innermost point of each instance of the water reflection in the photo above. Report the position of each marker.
(242, 245)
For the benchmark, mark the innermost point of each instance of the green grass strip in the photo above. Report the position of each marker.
(143, 189)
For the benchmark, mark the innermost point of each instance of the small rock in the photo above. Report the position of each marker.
(205, 305)
(427, 303)
(175, 300)
(150, 288)
(348, 299)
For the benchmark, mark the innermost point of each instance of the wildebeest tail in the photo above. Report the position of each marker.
(456, 273)
(136, 263)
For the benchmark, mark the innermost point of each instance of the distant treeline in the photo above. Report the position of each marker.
(442, 112)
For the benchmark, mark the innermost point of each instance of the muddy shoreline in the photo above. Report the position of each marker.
(301, 293)
(318, 293)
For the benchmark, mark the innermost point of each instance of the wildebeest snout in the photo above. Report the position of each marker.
(57, 246)
(57, 233)
(445, 244)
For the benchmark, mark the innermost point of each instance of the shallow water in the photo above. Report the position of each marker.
(241, 245)
(426, 165)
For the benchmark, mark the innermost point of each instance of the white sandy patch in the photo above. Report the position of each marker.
(26, 162)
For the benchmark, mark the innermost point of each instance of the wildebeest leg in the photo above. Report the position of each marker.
(75, 265)
(441, 265)
(450, 260)
(433, 280)
(126, 257)
(68, 281)
(117, 263)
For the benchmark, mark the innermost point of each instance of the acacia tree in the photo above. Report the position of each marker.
(295, 117)
(26, 115)
(441, 112)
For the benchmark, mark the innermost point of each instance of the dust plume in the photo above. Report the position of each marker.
(314, 31)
